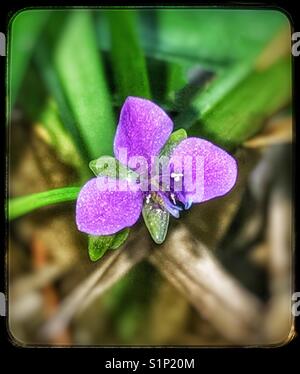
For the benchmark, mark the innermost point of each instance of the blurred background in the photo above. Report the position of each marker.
(224, 275)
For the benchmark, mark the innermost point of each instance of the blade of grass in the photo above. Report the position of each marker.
(19, 206)
(176, 79)
(51, 129)
(44, 114)
(128, 61)
(80, 70)
(213, 38)
(166, 79)
(51, 81)
(238, 113)
(234, 105)
(24, 30)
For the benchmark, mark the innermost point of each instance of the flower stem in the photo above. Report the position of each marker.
(19, 206)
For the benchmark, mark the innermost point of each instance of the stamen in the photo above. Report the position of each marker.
(148, 197)
(173, 198)
(176, 176)
(171, 208)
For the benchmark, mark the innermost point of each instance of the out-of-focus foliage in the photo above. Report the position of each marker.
(159, 49)
(127, 56)
(26, 28)
(214, 38)
(81, 73)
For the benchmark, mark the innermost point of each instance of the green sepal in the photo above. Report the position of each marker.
(99, 245)
(111, 167)
(156, 220)
(175, 138)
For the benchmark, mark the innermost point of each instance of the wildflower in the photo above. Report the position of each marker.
(165, 173)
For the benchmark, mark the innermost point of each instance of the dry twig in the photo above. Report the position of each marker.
(112, 268)
(194, 271)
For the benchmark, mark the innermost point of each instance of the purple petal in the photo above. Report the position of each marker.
(143, 130)
(105, 212)
(208, 171)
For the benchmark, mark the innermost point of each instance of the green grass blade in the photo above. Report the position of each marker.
(239, 113)
(53, 132)
(81, 72)
(25, 29)
(44, 114)
(128, 61)
(213, 38)
(51, 81)
(19, 206)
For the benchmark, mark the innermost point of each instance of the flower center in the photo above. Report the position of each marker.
(162, 194)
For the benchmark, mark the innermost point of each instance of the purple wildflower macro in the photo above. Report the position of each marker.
(177, 172)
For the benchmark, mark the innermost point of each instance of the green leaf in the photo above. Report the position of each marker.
(19, 206)
(175, 138)
(44, 112)
(166, 79)
(51, 128)
(213, 38)
(176, 79)
(50, 78)
(82, 75)
(237, 112)
(128, 62)
(99, 245)
(156, 220)
(119, 238)
(24, 32)
(111, 167)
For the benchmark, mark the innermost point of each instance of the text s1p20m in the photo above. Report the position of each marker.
(171, 363)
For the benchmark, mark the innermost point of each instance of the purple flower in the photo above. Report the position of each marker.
(168, 174)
